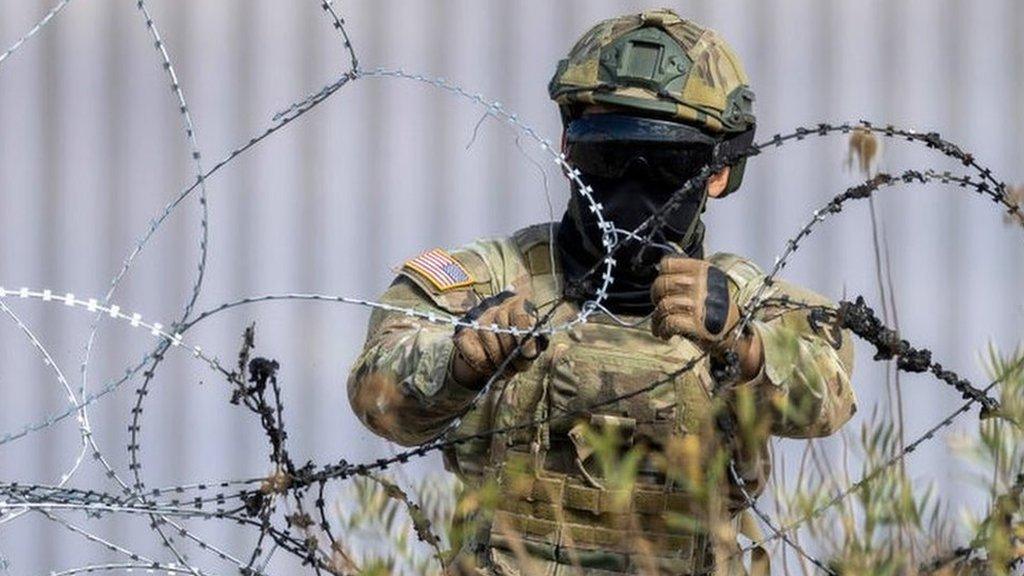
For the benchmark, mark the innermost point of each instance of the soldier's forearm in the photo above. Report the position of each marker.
(402, 387)
(805, 381)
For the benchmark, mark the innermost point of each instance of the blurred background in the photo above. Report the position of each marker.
(92, 148)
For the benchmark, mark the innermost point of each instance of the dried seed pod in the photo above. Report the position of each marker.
(1015, 195)
(863, 150)
(300, 520)
(276, 483)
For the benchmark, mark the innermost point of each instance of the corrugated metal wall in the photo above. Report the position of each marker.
(92, 148)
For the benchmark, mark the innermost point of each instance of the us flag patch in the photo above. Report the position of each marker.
(443, 271)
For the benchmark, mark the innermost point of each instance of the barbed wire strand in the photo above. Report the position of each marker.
(34, 30)
(196, 160)
(791, 247)
(83, 424)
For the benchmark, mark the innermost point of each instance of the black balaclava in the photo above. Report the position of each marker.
(633, 165)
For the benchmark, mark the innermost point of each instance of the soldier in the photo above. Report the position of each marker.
(647, 100)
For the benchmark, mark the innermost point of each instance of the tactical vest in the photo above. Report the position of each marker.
(555, 500)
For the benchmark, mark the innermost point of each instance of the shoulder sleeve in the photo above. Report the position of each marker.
(400, 386)
(454, 281)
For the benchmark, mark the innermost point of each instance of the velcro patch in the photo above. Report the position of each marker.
(440, 269)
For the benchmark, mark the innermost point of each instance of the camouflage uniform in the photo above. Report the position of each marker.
(559, 504)
(552, 505)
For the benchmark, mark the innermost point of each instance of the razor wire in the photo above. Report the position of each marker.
(137, 500)
(157, 355)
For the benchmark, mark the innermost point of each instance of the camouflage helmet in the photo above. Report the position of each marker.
(660, 65)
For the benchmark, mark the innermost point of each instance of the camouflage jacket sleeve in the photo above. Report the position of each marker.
(400, 385)
(806, 378)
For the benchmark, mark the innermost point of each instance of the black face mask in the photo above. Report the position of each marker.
(634, 165)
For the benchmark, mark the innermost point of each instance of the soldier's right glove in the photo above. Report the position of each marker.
(479, 353)
(692, 299)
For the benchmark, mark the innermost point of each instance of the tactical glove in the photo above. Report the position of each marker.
(480, 352)
(692, 299)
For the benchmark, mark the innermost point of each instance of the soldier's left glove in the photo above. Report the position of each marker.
(479, 353)
(692, 299)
